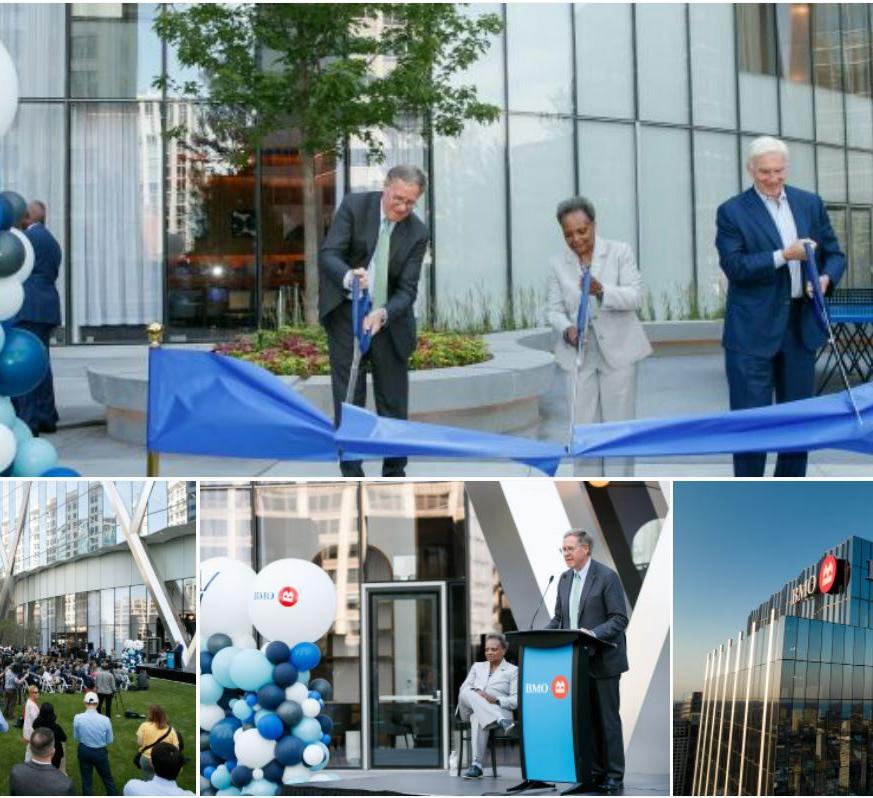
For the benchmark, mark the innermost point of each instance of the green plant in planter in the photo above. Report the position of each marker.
(302, 351)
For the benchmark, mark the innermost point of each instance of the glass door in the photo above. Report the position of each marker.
(406, 675)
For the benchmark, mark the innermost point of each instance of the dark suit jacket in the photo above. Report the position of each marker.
(29, 778)
(350, 244)
(602, 609)
(759, 296)
(41, 301)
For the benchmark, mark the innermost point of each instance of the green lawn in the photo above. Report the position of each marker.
(177, 698)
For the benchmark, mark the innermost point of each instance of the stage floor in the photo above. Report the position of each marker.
(440, 782)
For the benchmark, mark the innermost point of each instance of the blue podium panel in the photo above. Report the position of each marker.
(547, 714)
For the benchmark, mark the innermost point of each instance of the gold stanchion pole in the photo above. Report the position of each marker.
(155, 332)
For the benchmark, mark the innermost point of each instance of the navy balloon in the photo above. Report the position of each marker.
(221, 737)
(60, 471)
(23, 363)
(289, 750)
(208, 760)
(204, 741)
(273, 771)
(322, 686)
(12, 254)
(7, 213)
(305, 656)
(284, 674)
(217, 642)
(270, 696)
(205, 662)
(326, 723)
(241, 775)
(290, 712)
(277, 652)
(17, 205)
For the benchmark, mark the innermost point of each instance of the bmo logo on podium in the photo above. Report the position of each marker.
(559, 688)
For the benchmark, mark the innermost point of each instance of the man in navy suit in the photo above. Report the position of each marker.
(40, 314)
(591, 598)
(771, 334)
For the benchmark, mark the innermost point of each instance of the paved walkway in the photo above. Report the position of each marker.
(668, 385)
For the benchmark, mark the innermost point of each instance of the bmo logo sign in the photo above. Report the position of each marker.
(288, 596)
(831, 577)
(827, 574)
(559, 688)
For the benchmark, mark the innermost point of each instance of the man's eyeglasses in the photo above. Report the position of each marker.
(568, 550)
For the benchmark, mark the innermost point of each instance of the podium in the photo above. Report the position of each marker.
(554, 709)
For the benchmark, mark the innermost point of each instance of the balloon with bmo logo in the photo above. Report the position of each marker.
(293, 601)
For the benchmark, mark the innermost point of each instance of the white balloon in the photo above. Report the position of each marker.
(7, 448)
(8, 90)
(252, 750)
(297, 692)
(27, 267)
(313, 754)
(257, 774)
(244, 640)
(311, 707)
(11, 296)
(224, 584)
(210, 714)
(295, 774)
(293, 601)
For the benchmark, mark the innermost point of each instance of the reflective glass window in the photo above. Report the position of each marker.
(827, 72)
(35, 36)
(662, 62)
(756, 47)
(795, 69)
(713, 64)
(604, 59)
(856, 62)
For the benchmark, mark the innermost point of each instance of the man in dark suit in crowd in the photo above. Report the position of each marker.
(40, 314)
(771, 334)
(591, 598)
(377, 239)
(39, 776)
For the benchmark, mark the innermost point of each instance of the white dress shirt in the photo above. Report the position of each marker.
(579, 577)
(780, 211)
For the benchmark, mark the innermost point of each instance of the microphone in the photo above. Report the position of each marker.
(542, 602)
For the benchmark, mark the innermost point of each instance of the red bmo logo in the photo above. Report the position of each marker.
(827, 574)
(288, 596)
(560, 687)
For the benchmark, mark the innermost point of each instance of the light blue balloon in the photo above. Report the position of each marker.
(21, 432)
(221, 778)
(7, 411)
(210, 690)
(308, 730)
(221, 663)
(250, 669)
(229, 791)
(33, 458)
(303, 677)
(243, 711)
(260, 787)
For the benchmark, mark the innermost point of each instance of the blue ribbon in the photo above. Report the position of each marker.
(582, 313)
(361, 306)
(812, 276)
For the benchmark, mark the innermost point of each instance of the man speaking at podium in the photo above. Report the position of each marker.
(591, 598)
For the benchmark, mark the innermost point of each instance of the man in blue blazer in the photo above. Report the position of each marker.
(771, 334)
(40, 314)
(591, 598)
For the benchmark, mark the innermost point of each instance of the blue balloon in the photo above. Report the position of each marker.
(205, 662)
(12, 253)
(315, 694)
(308, 730)
(242, 711)
(323, 687)
(251, 699)
(217, 642)
(284, 674)
(23, 363)
(241, 775)
(277, 652)
(289, 750)
(270, 726)
(290, 712)
(326, 723)
(221, 738)
(17, 205)
(305, 656)
(273, 771)
(210, 690)
(250, 669)
(61, 471)
(208, 771)
(270, 696)
(325, 738)
(33, 458)
(221, 663)
(208, 760)
(231, 764)
(7, 214)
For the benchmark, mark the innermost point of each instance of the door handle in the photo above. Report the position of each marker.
(437, 697)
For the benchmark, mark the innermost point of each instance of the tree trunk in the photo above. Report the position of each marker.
(310, 238)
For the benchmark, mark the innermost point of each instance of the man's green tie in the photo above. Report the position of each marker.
(575, 597)
(380, 264)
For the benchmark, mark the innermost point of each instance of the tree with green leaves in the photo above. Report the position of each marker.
(332, 71)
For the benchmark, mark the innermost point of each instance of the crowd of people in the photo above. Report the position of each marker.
(29, 679)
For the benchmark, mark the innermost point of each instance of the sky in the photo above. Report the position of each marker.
(737, 543)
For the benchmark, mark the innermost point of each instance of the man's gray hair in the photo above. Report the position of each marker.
(42, 741)
(766, 145)
(582, 538)
(501, 639)
(575, 204)
(408, 174)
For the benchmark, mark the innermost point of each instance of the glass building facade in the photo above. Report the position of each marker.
(76, 584)
(788, 705)
(644, 108)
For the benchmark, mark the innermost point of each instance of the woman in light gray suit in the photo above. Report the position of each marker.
(615, 343)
